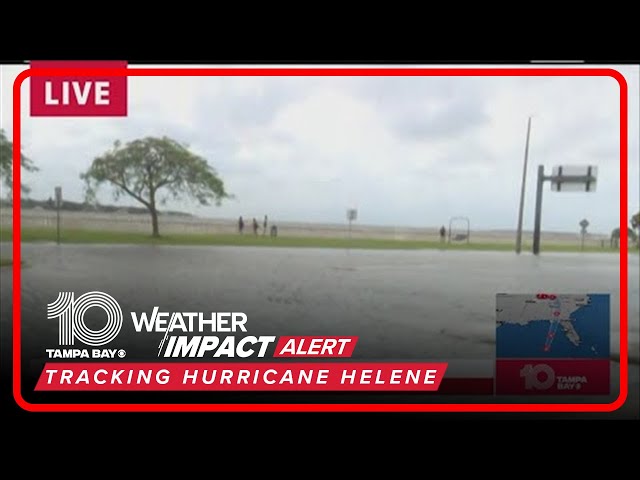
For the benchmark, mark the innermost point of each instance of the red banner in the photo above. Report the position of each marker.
(553, 377)
(78, 95)
(311, 346)
(268, 376)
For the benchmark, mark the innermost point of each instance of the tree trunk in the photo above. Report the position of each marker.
(154, 222)
(154, 211)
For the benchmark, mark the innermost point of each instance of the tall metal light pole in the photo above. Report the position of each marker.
(537, 221)
(522, 189)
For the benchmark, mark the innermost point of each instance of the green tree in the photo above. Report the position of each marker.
(151, 170)
(635, 225)
(615, 236)
(6, 163)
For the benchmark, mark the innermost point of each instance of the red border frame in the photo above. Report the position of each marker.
(330, 71)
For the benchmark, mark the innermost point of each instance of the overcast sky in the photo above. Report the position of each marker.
(411, 151)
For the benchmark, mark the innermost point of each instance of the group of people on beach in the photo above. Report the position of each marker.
(256, 226)
(274, 229)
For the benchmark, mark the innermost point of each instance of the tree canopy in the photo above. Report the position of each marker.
(6, 163)
(152, 170)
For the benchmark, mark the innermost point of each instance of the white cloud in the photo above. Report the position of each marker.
(411, 151)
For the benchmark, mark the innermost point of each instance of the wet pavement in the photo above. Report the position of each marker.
(404, 305)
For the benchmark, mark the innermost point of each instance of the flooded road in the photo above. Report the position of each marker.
(404, 305)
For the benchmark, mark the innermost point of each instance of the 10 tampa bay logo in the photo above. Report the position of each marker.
(70, 313)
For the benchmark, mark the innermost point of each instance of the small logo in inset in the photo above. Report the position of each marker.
(538, 377)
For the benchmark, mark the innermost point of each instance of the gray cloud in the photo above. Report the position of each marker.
(405, 150)
(426, 108)
(448, 119)
(250, 108)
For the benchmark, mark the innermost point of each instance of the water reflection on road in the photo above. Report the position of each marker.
(402, 304)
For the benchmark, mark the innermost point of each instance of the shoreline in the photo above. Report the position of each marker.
(112, 237)
(37, 218)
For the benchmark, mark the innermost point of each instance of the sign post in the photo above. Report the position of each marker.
(584, 223)
(352, 215)
(58, 205)
(569, 178)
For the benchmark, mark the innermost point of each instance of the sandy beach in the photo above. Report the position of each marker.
(40, 218)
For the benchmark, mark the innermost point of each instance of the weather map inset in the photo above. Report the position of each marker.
(553, 326)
